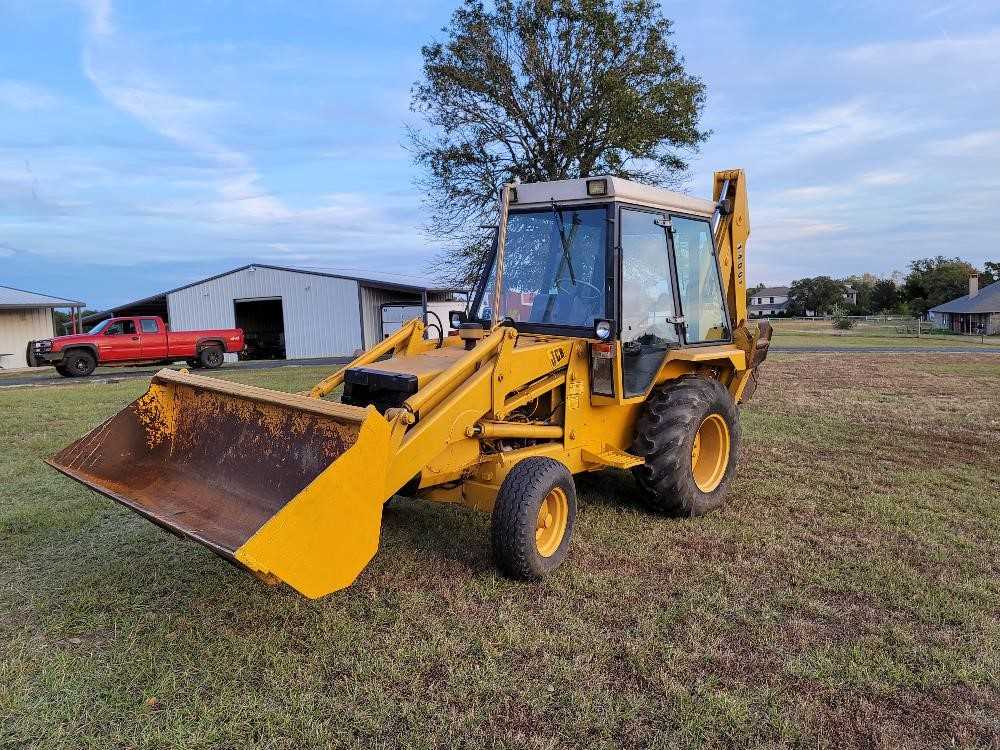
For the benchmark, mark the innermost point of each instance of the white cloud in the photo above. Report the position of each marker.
(981, 48)
(885, 178)
(840, 127)
(25, 97)
(99, 12)
(982, 144)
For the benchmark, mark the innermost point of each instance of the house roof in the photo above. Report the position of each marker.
(771, 291)
(11, 298)
(987, 301)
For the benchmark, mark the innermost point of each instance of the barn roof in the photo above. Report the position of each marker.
(11, 298)
(987, 301)
(399, 282)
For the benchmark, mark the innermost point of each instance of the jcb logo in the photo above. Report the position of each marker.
(558, 355)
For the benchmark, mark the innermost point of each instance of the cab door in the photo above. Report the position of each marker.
(121, 342)
(699, 288)
(153, 338)
(649, 317)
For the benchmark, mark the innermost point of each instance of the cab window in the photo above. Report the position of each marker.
(698, 281)
(121, 327)
(149, 326)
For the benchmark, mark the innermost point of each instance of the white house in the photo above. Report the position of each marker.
(769, 301)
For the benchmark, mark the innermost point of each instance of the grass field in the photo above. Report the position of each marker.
(846, 597)
(822, 333)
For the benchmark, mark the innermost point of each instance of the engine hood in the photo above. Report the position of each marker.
(73, 338)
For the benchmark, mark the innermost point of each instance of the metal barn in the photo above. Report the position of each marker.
(294, 313)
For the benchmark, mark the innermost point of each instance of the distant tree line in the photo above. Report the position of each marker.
(929, 283)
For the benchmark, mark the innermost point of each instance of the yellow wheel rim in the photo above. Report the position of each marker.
(710, 452)
(550, 527)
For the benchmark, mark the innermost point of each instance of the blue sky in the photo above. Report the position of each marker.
(146, 144)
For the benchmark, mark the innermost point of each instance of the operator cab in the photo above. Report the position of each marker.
(625, 264)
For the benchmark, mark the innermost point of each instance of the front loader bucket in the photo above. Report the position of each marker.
(286, 485)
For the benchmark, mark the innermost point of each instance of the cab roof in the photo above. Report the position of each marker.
(532, 194)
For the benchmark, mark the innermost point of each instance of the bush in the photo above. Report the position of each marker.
(843, 323)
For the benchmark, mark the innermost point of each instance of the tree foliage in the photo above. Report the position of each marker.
(820, 295)
(543, 90)
(990, 274)
(934, 281)
(885, 296)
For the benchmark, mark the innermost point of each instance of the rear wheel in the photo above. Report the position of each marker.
(194, 364)
(689, 435)
(79, 364)
(533, 518)
(211, 358)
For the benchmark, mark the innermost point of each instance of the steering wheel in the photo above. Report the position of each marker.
(593, 293)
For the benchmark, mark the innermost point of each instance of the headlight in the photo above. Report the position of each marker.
(602, 329)
(42, 346)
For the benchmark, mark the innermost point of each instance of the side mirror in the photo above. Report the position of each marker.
(456, 318)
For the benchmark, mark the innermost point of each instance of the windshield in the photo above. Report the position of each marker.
(554, 268)
(100, 326)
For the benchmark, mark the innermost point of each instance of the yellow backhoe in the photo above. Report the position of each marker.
(610, 331)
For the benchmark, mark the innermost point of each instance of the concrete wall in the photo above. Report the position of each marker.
(17, 328)
(321, 313)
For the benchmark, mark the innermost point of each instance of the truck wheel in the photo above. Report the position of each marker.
(689, 435)
(194, 364)
(211, 358)
(79, 364)
(533, 518)
(61, 369)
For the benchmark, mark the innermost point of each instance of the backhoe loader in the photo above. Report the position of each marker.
(610, 331)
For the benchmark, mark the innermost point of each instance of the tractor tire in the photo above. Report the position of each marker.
(211, 358)
(79, 363)
(689, 435)
(533, 518)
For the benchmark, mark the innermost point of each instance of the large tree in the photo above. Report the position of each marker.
(820, 295)
(933, 281)
(884, 296)
(544, 90)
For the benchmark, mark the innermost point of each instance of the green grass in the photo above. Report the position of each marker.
(788, 339)
(822, 333)
(846, 596)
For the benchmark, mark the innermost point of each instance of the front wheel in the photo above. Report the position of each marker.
(61, 369)
(533, 518)
(689, 435)
(79, 364)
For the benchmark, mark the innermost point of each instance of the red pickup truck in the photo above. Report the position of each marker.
(133, 341)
